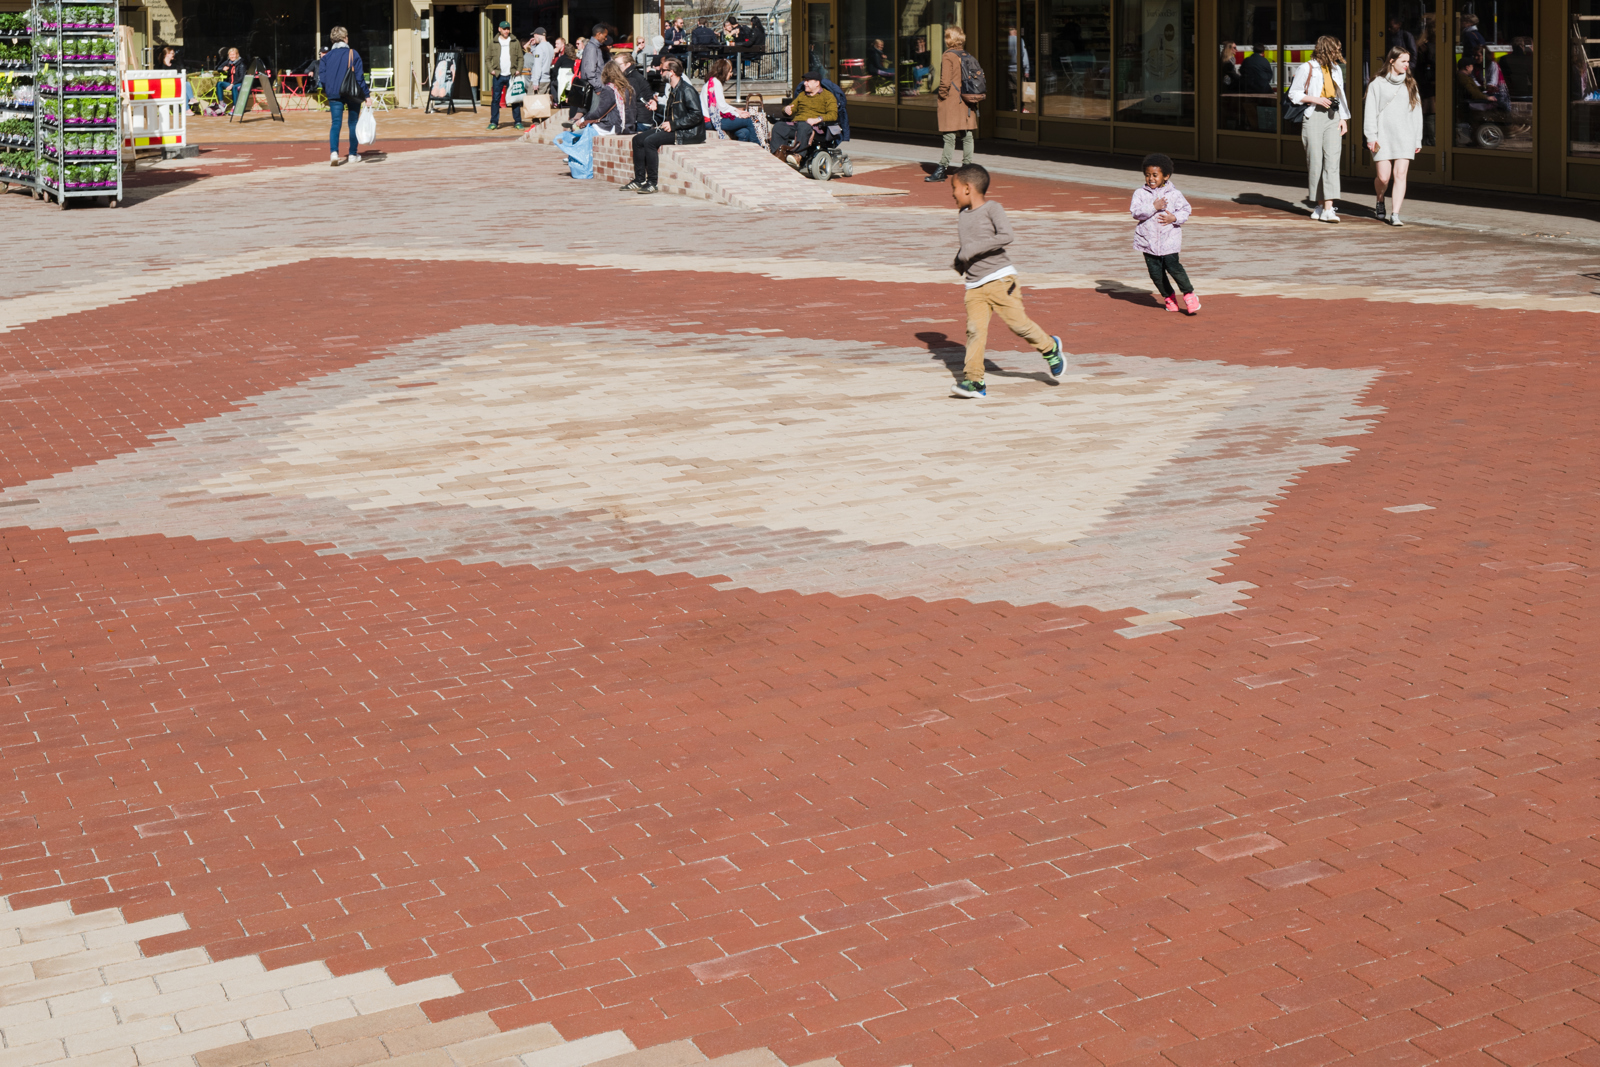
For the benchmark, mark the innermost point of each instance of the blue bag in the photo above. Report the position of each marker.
(578, 145)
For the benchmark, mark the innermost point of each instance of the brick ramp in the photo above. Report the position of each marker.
(723, 172)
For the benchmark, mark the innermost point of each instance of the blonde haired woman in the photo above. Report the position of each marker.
(1319, 85)
(1392, 125)
(955, 114)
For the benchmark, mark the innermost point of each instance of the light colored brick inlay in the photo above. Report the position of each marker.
(77, 988)
(711, 438)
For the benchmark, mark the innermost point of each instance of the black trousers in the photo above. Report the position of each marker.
(795, 135)
(647, 154)
(1161, 266)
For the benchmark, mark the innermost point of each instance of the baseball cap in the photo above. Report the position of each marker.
(505, 25)
(540, 30)
(811, 76)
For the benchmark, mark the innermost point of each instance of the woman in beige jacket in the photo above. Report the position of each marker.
(955, 114)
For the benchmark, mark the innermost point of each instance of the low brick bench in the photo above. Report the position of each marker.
(721, 171)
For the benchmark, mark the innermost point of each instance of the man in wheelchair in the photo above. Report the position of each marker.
(811, 112)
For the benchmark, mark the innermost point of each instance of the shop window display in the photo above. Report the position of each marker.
(866, 54)
(1248, 78)
(1075, 59)
(922, 24)
(1155, 62)
(1583, 78)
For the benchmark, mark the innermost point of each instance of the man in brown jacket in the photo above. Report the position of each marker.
(955, 114)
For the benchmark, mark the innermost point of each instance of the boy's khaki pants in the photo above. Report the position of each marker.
(1001, 297)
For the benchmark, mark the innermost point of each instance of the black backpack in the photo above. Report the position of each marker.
(974, 86)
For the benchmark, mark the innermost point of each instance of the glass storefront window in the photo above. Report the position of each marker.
(922, 24)
(1583, 73)
(1155, 62)
(866, 47)
(1411, 25)
(1247, 76)
(1017, 81)
(1493, 90)
(1075, 59)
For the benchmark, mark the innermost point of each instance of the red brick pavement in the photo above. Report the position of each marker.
(1352, 822)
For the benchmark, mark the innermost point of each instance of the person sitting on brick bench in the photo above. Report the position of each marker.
(810, 112)
(685, 124)
(613, 104)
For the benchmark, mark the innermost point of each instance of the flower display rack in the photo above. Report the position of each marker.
(77, 107)
(18, 128)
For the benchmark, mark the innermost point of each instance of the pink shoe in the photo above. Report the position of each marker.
(1172, 304)
(1191, 303)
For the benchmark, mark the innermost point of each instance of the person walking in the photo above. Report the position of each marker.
(684, 124)
(613, 104)
(1159, 212)
(990, 279)
(1319, 84)
(956, 112)
(1392, 126)
(505, 61)
(336, 65)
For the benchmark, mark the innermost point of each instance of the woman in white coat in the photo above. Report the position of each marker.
(1319, 85)
(1393, 127)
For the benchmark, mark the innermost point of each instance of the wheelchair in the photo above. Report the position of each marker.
(824, 158)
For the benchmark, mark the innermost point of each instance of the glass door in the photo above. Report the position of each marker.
(1413, 27)
(1015, 84)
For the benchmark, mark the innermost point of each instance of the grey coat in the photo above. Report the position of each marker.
(593, 60)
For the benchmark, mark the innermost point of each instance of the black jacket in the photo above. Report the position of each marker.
(683, 111)
(704, 37)
(637, 112)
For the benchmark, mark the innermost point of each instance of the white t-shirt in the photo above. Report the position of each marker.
(505, 57)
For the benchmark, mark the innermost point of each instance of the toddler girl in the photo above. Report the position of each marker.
(1159, 212)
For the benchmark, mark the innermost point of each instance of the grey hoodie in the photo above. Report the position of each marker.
(984, 235)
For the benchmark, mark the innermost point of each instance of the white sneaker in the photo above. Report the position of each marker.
(1330, 214)
(333, 159)
(1379, 210)
(1394, 220)
(1316, 214)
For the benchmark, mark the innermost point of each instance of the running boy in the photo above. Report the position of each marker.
(1159, 212)
(990, 278)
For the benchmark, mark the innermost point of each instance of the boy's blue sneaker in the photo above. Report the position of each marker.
(1056, 359)
(968, 389)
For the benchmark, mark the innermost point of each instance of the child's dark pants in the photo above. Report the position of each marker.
(1161, 266)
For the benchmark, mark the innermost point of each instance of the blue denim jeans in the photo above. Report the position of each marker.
(740, 129)
(231, 90)
(501, 81)
(337, 108)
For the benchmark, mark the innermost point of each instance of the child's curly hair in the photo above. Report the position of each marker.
(1156, 159)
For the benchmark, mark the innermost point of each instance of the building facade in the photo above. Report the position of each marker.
(1206, 79)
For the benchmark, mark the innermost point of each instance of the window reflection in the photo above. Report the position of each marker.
(1583, 75)
(1075, 59)
(1494, 64)
(922, 24)
(1247, 74)
(1155, 61)
(866, 52)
